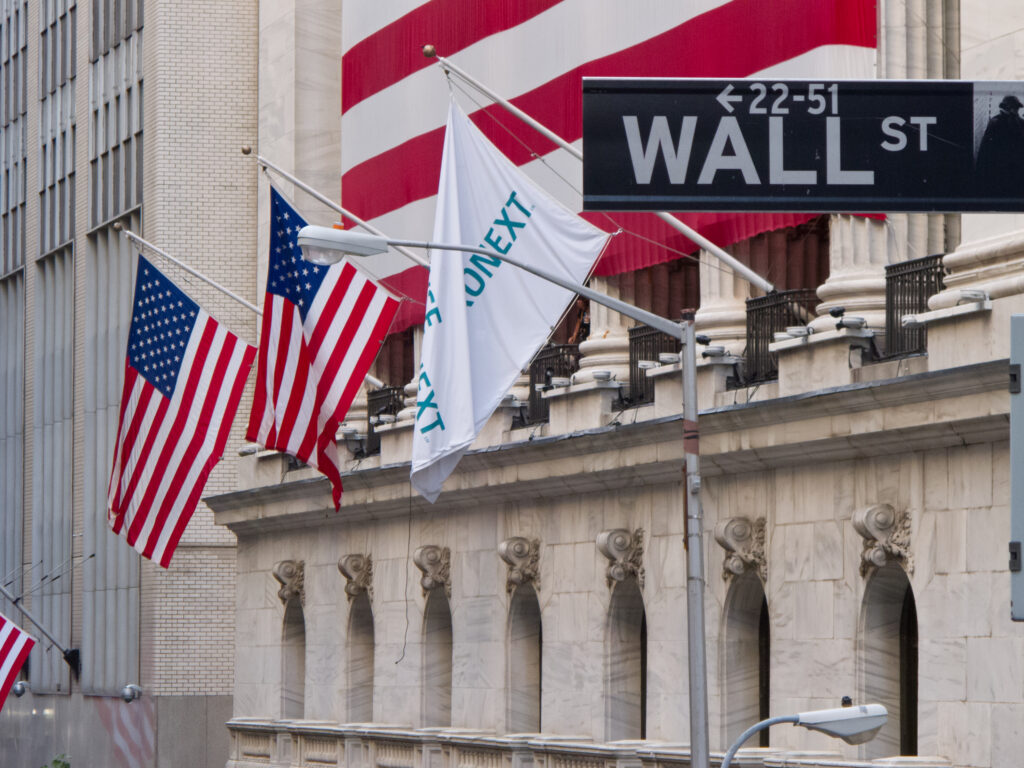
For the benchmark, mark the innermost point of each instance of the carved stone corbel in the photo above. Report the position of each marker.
(358, 572)
(886, 534)
(625, 550)
(291, 575)
(743, 541)
(435, 564)
(522, 556)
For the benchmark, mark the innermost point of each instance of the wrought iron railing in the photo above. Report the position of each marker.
(908, 286)
(645, 344)
(554, 361)
(766, 316)
(386, 401)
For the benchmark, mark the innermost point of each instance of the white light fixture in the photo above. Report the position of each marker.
(320, 244)
(854, 725)
(602, 375)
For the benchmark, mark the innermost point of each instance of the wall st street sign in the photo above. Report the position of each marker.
(802, 145)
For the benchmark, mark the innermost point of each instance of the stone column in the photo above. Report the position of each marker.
(723, 310)
(607, 348)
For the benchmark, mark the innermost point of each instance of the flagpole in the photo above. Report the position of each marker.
(696, 237)
(373, 380)
(71, 655)
(333, 205)
(146, 244)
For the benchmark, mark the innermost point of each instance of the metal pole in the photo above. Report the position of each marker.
(334, 206)
(751, 731)
(696, 651)
(696, 237)
(16, 602)
(629, 310)
(146, 244)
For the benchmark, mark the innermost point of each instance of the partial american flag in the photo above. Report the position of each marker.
(14, 647)
(322, 330)
(131, 726)
(183, 379)
(535, 54)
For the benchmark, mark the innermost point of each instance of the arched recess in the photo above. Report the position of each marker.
(360, 660)
(746, 658)
(626, 664)
(293, 661)
(889, 659)
(525, 646)
(437, 660)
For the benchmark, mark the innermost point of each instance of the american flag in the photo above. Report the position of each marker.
(322, 330)
(183, 379)
(132, 730)
(14, 647)
(535, 53)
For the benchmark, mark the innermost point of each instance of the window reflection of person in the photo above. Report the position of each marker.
(1000, 165)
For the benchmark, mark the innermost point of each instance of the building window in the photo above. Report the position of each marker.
(293, 661)
(12, 433)
(889, 659)
(525, 644)
(437, 660)
(360, 660)
(626, 664)
(13, 128)
(747, 649)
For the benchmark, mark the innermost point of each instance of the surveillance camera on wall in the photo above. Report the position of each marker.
(131, 692)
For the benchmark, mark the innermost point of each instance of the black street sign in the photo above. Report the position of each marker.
(802, 145)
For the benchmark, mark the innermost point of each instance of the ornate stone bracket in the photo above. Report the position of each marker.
(886, 534)
(291, 575)
(743, 540)
(625, 550)
(435, 564)
(358, 572)
(522, 556)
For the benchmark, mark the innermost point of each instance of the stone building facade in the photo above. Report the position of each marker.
(856, 504)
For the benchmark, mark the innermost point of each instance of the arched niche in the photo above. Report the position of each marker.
(626, 664)
(525, 647)
(293, 661)
(437, 660)
(359, 693)
(746, 657)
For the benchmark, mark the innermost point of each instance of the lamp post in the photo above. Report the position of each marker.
(854, 725)
(325, 245)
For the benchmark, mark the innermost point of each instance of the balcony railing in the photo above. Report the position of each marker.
(908, 286)
(386, 401)
(645, 344)
(766, 316)
(554, 361)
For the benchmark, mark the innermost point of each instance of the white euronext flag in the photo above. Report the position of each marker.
(485, 319)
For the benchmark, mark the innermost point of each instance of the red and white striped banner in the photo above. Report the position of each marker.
(535, 53)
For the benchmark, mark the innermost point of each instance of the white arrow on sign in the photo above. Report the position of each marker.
(724, 98)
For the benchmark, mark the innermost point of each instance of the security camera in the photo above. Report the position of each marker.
(20, 688)
(856, 323)
(837, 311)
(700, 338)
(131, 692)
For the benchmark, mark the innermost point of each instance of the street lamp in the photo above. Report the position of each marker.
(854, 725)
(326, 245)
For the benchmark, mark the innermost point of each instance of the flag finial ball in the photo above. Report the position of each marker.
(429, 51)
(246, 149)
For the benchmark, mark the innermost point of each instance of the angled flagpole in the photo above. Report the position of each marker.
(333, 205)
(373, 380)
(696, 237)
(71, 655)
